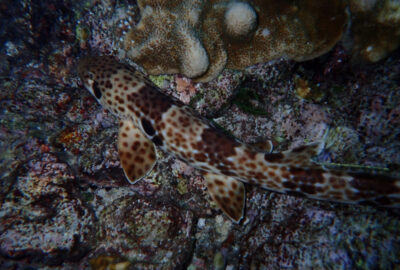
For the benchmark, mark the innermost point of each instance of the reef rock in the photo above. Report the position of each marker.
(200, 38)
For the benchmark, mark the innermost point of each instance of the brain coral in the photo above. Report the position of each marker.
(200, 38)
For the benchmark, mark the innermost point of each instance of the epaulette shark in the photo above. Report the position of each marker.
(150, 119)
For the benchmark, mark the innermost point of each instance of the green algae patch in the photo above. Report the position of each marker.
(160, 79)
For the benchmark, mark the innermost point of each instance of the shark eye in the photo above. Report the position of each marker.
(147, 127)
(96, 90)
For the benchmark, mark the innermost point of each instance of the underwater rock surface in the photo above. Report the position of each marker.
(65, 202)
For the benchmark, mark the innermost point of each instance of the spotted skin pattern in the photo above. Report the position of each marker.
(150, 118)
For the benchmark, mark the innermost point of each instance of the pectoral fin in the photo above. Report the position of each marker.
(136, 152)
(228, 193)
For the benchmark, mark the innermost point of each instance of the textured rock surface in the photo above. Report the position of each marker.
(64, 201)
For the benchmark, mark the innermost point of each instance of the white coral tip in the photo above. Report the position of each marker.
(240, 19)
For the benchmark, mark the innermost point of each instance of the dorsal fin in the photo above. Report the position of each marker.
(136, 152)
(228, 193)
(301, 156)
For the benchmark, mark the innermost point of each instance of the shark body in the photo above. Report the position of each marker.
(149, 118)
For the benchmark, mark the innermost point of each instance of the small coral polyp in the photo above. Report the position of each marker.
(200, 38)
(240, 19)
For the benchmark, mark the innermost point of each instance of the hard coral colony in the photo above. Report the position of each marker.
(200, 38)
(149, 119)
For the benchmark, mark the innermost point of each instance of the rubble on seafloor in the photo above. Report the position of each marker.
(65, 203)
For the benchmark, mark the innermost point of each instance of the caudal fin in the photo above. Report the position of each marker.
(293, 172)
